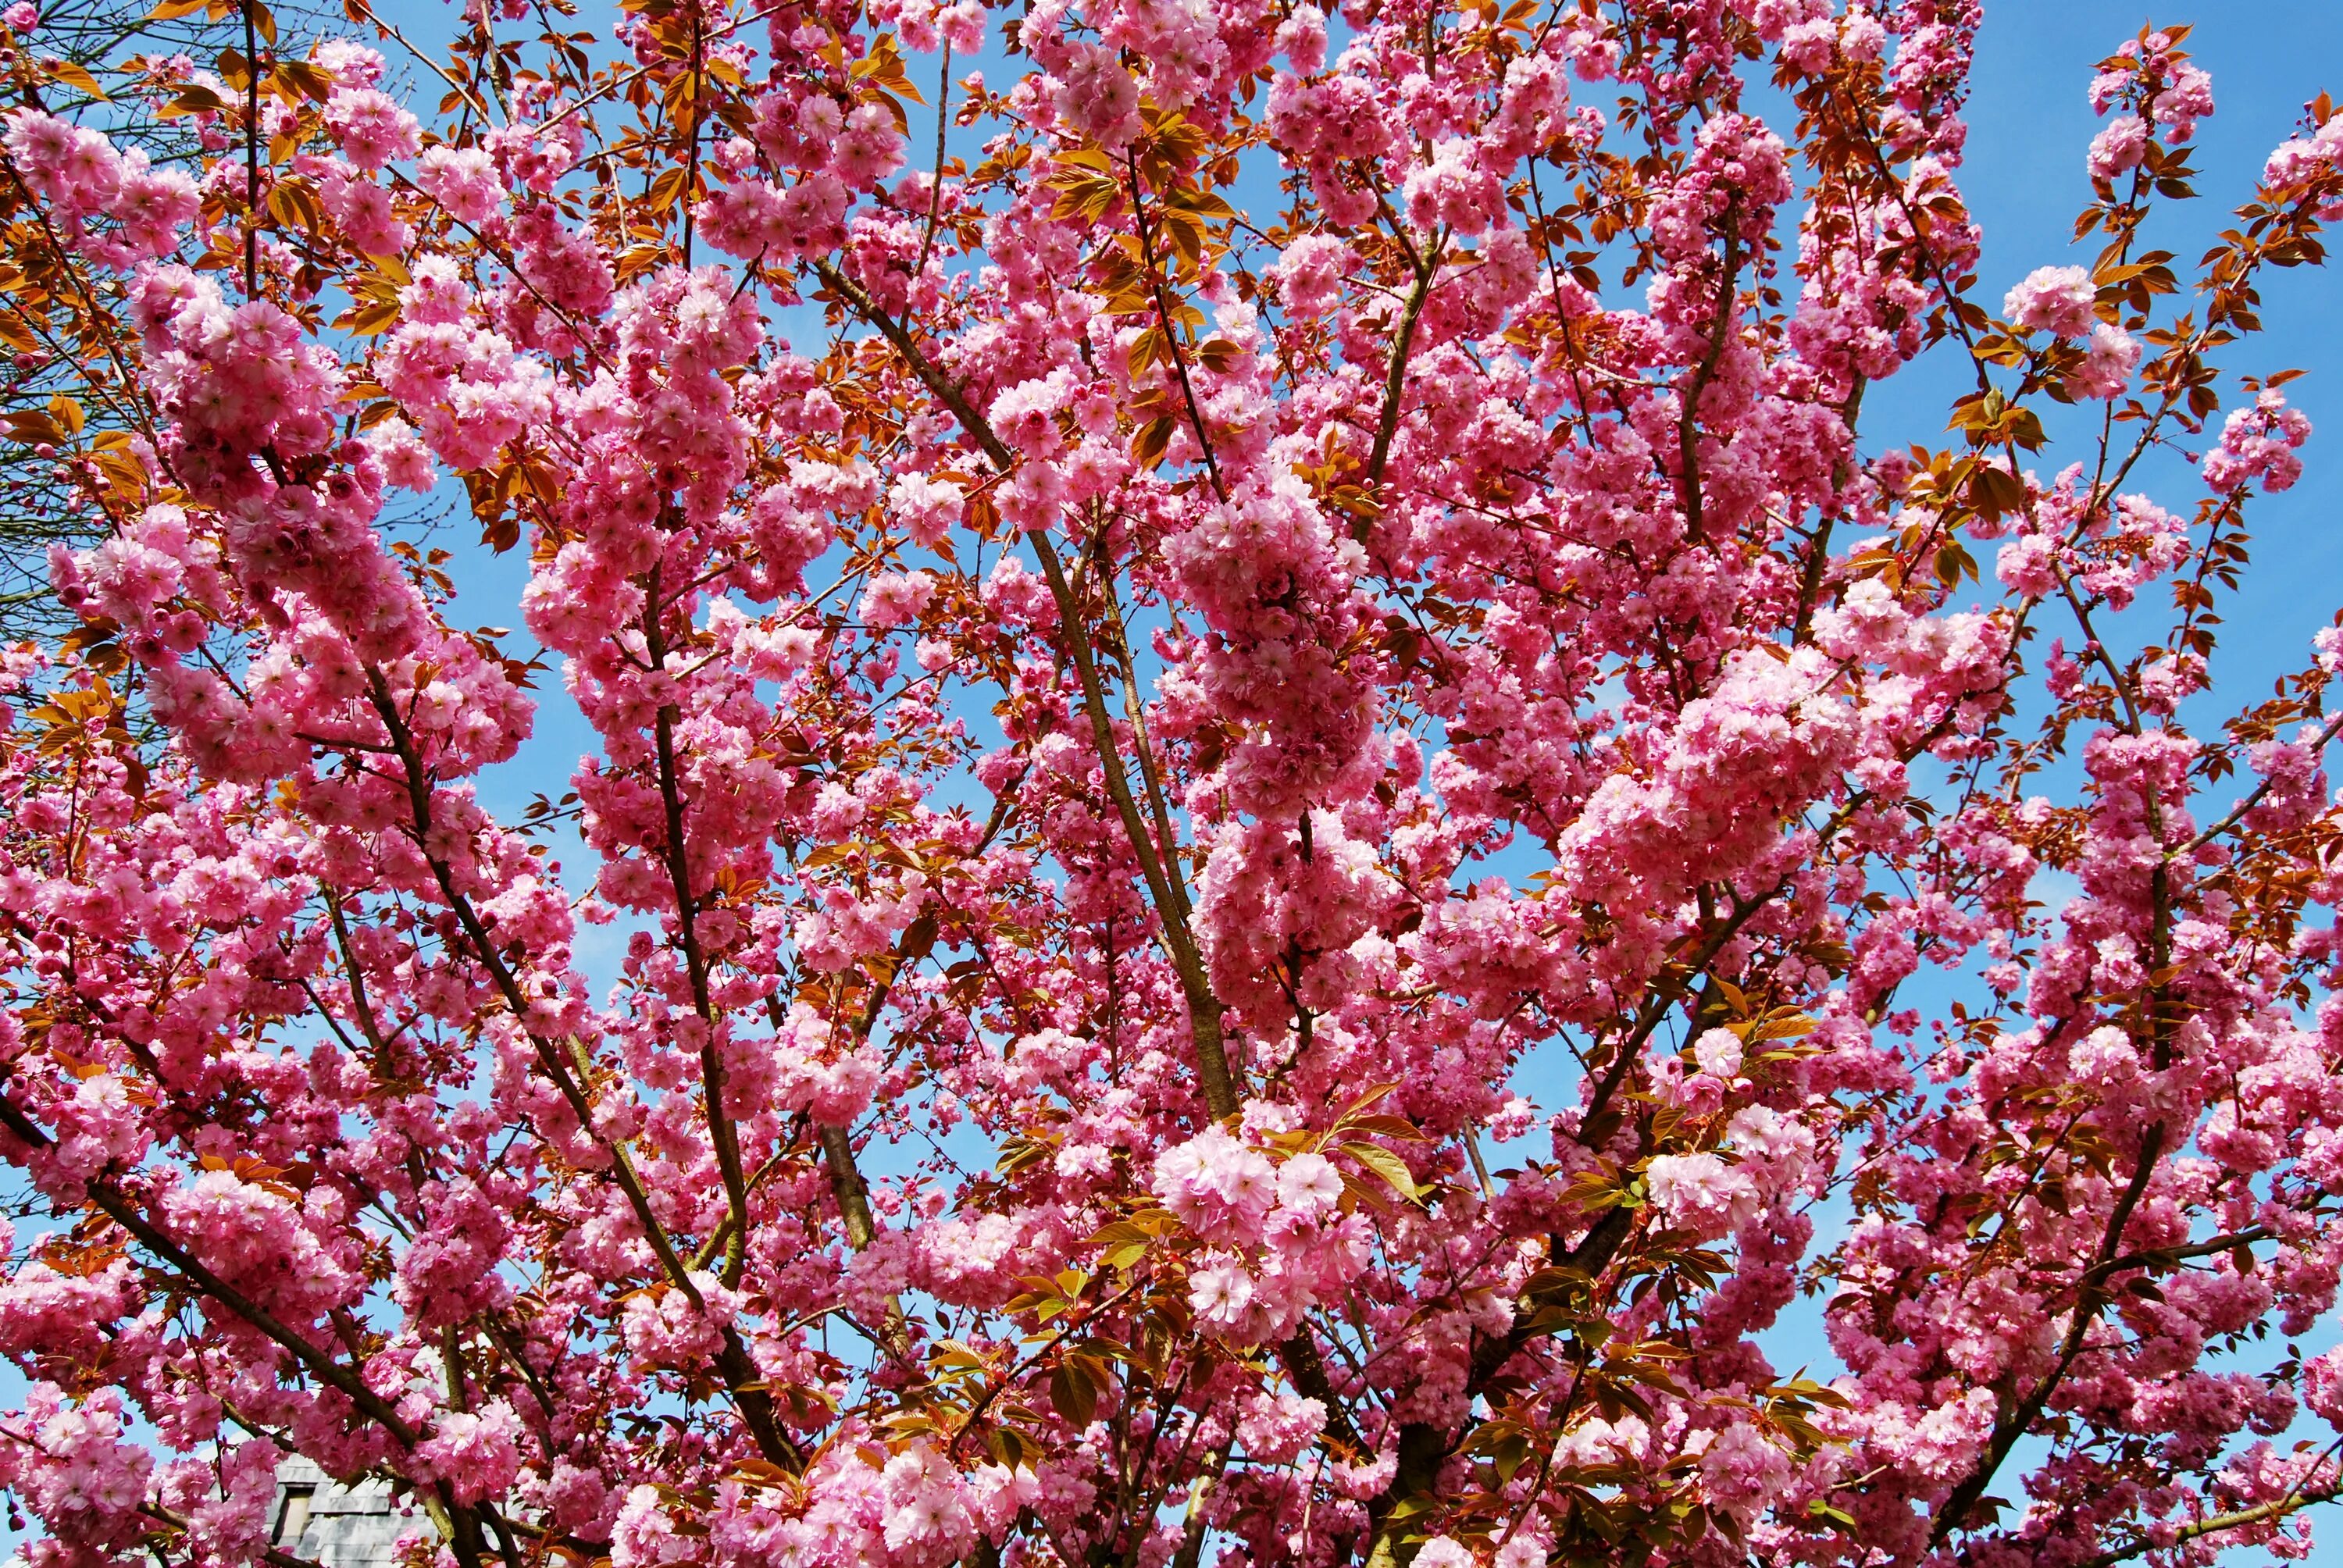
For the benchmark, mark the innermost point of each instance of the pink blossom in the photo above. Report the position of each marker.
(2107, 366)
(2258, 443)
(1701, 1192)
(1311, 273)
(896, 599)
(2118, 147)
(2056, 299)
(476, 1452)
(1719, 1052)
(373, 130)
(1099, 98)
(463, 180)
(1444, 1551)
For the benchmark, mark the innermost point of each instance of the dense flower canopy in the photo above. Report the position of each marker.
(1305, 835)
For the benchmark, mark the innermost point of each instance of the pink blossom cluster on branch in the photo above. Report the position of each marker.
(1299, 821)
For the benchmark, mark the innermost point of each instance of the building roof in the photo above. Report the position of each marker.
(318, 1518)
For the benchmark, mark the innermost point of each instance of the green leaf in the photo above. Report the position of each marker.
(1072, 1393)
(1385, 1164)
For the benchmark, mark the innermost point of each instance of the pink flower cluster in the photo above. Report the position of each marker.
(77, 174)
(2258, 443)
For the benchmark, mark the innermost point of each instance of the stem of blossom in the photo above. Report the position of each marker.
(1052, 1343)
(2253, 797)
(513, 1356)
(361, 1006)
(124, 1213)
(2093, 648)
(1424, 1447)
(609, 85)
(1560, 314)
(585, 338)
(846, 1186)
(507, 1548)
(2197, 1530)
(1170, 333)
(500, 975)
(251, 154)
(1810, 583)
(1480, 1166)
(719, 1238)
(741, 1376)
(466, 93)
(853, 1196)
(846, 1182)
(1546, 1452)
(1395, 376)
(1894, 188)
(1688, 416)
(1307, 1368)
(450, 1524)
(277, 1557)
(580, 1545)
(721, 1134)
(1135, 711)
(1299, 1354)
(1203, 1006)
(937, 382)
(691, 105)
(1199, 1493)
(936, 180)
(2091, 1296)
(97, 322)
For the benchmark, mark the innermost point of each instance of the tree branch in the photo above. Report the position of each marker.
(1203, 1006)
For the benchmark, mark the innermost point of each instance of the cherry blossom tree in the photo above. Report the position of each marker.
(77, 39)
(1303, 846)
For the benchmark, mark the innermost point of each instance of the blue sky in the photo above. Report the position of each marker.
(2029, 123)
